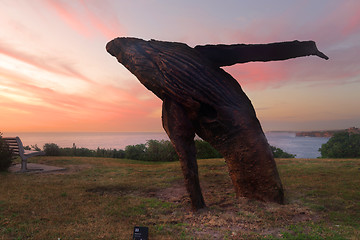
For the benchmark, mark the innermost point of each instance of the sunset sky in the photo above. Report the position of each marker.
(55, 74)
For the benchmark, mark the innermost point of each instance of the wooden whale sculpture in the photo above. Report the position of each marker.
(201, 98)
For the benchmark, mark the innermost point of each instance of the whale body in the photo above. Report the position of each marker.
(199, 97)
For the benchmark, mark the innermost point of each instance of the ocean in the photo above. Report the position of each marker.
(302, 147)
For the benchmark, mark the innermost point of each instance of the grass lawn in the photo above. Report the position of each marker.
(101, 198)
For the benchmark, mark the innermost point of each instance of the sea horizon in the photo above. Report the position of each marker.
(302, 147)
(161, 131)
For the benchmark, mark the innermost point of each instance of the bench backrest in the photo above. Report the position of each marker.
(15, 145)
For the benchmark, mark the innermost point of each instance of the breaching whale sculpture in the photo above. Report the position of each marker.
(200, 97)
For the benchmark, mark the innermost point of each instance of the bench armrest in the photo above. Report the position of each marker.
(29, 153)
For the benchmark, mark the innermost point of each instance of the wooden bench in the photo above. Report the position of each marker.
(17, 148)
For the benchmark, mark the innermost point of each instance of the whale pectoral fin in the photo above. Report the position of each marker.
(181, 133)
(227, 55)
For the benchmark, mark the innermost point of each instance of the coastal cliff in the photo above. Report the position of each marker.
(327, 133)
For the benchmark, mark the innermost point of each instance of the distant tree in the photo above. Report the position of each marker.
(153, 150)
(85, 152)
(162, 151)
(117, 153)
(27, 147)
(136, 152)
(6, 155)
(341, 145)
(35, 147)
(279, 153)
(51, 149)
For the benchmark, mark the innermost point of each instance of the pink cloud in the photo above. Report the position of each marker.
(258, 75)
(353, 24)
(88, 102)
(106, 109)
(106, 22)
(342, 68)
(345, 18)
(48, 64)
(69, 15)
(333, 30)
(333, 23)
(337, 25)
(84, 19)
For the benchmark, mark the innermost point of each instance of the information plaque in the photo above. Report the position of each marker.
(141, 233)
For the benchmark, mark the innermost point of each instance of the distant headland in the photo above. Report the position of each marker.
(327, 133)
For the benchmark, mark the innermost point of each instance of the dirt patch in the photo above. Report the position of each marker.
(71, 169)
(113, 190)
(175, 194)
(227, 215)
(36, 168)
(76, 168)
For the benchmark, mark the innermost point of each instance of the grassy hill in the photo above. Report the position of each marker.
(103, 198)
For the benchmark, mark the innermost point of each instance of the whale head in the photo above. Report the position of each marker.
(154, 63)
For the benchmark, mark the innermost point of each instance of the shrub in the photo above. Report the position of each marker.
(205, 150)
(51, 149)
(6, 155)
(35, 147)
(84, 152)
(116, 153)
(279, 153)
(27, 147)
(153, 150)
(136, 152)
(162, 151)
(341, 145)
(110, 153)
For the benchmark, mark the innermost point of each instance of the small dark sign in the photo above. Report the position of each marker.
(141, 233)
